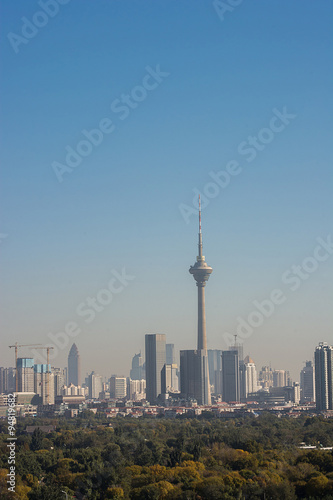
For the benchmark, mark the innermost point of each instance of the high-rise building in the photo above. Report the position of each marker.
(7, 380)
(118, 387)
(59, 380)
(169, 378)
(238, 346)
(324, 376)
(137, 389)
(266, 377)
(44, 383)
(170, 354)
(201, 273)
(215, 370)
(137, 371)
(95, 385)
(155, 360)
(230, 376)
(74, 366)
(251, 380)
(307, 383)
(194, 384)
(296, 392)
(25, 374)
(279, 378)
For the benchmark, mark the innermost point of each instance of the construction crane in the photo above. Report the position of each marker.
(47, 373)
(16, 346)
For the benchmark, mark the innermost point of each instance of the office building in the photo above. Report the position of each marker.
(230, 376)
(137, 370)
(169, 378)
(279, 378)
(266, 377)
(215, 370)
(7, 380)
(194, 384)
(95, 385)
(324, 376)
(44, 383)
(118, 387)
(170, 354)
(60, 380)
(74, 366)
(25, 374)
(307, 382)
(155, 361)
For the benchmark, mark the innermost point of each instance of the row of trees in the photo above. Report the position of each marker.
(199, 458)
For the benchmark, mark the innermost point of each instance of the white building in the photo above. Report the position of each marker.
(72, 390)
(137, 389)
(95, 385)
(251, 378)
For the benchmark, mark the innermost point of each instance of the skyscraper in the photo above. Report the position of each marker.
(170, 354)
(169, 378)
(307, 383)
(324, 376)
(279, 378)
(215, 370)
(230, 376)
(74, 366)
(118, 387)
(59, 380)
(251, 380)
(266, 377)
(155, 361)
(44, 383)
(7, 380)
(201, 272)
(25, 374)
(194, 382)
(95, 385)
(137, 371)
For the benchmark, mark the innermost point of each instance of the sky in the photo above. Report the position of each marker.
(114, 117)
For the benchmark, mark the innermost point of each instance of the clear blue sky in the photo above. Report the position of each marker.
(119, 208)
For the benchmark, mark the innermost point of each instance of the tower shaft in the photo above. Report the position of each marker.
(202, 337)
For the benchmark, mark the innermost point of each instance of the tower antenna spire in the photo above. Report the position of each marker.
(199, 214)
(200, 234)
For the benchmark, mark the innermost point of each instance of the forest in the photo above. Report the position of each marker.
(92, 457)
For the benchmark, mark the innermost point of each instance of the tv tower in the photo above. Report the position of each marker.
(201, 272)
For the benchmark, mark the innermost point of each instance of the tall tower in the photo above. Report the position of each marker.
(74, 366)
(230, 376)
(155, 361)
(324, 376)
(201, 272)
(194, 372)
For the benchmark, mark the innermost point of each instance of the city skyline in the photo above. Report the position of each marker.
(243, 120)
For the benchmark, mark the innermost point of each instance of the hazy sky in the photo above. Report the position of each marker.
(177, 90)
